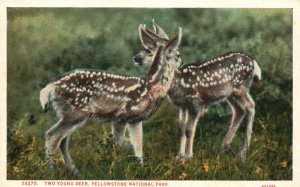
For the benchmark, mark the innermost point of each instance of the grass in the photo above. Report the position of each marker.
(97, 158)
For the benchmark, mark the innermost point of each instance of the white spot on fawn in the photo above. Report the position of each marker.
(134, 108)
(131, 88)
(144, 93)
(239, 60)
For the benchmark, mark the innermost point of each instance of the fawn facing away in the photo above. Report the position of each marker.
(225, 78)
(83, 94)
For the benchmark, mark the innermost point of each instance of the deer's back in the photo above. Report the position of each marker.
(212, 80)
(104, 95)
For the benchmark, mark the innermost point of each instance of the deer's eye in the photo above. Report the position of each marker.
(148, 51)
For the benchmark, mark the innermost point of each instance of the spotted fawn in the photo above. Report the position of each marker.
(225, 78)
(83, 94)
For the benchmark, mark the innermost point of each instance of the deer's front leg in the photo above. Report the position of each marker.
(190, 129)
(182, 135)
(136, 138)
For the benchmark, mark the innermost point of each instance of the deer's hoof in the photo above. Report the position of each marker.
(225, 148)
(140, 160)
(188, 157)
(242, 155)
(180, 157)
(74, 171)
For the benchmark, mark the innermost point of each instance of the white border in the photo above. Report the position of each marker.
(295, 4)
(155, 3)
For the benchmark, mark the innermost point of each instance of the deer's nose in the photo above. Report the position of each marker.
(136, 60)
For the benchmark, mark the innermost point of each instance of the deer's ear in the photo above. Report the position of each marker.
(154, 27)
(153, 34)
(158, 30)
(174, 43)
(147, 40)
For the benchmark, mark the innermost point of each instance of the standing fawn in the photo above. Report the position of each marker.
(195, 86)
(84, 94)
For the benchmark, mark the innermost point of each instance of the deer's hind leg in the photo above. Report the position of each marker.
(237, 103)
(192, 118)
(250, 113)
(190, 129)
(57, 138)
(52, 140)
(64, 150)
(242, 106)
(118, 132)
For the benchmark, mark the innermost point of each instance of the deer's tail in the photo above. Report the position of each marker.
(257, 72)
(45, 95)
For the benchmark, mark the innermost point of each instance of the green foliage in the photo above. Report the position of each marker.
(45, 43)
(270, 156)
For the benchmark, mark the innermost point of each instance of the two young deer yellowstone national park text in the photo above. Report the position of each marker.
(82, 94)
(227, 77)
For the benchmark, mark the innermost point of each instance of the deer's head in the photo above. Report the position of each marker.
(160, 38)
(164, 61)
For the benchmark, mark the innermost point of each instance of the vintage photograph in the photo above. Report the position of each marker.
(148, 94)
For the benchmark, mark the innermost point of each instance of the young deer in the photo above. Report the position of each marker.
(83, 94)
(225, 78)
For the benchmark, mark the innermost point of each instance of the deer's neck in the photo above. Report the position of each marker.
(160, 75)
